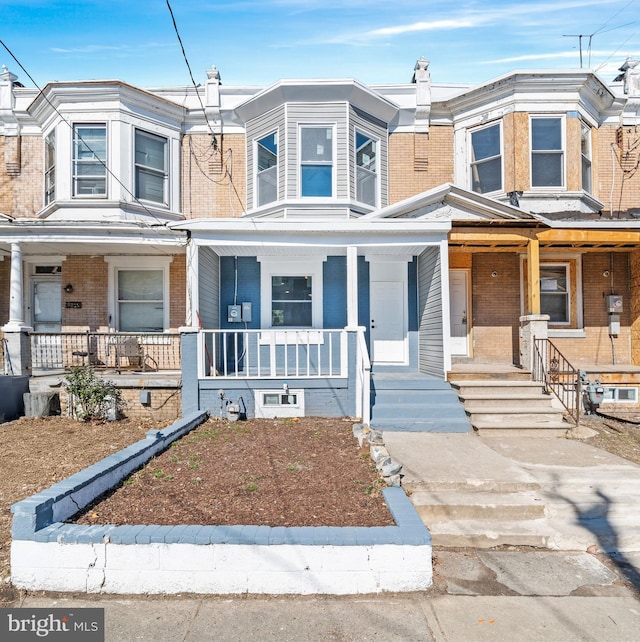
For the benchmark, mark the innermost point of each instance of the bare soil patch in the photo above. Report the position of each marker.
(277, 472)
(36, 453)
(619, 437)
(273, 472)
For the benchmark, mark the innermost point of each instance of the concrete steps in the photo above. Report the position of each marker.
(510, 406)
(408, 401)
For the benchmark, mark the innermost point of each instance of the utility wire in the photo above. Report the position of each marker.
(193, 82)
(78, 137)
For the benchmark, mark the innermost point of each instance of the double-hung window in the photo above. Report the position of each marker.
(90, 160)
(50, 168)
(554, 292)
(547, 151)
(316, 161)
(366, 169)
(267, 169)
(140, 300)
(585, 156)
(486, 159)
(150, 167)
(291, 303)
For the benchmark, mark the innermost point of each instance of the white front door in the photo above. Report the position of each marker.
(388, 309)
(458, 302)
(46, 316)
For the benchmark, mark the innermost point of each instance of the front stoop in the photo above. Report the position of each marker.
(408, 401)
(502, 407)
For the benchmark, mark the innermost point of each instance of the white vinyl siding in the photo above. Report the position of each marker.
(431, 342)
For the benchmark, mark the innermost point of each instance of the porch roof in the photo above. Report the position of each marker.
(303, 237)
(91, 238)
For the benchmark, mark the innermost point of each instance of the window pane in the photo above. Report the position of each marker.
(150, 150)
(555, 305)
(291, 301)
(140, 285)
(141, 317)
(317, 180)
(149, 185)
(89, 158)
(546, 170)
(268, 186)
(487, 176)
(366, 152)
(366, 186)
(267, 170)
(291, 314)
(267, 152)
(553, 278)
(586, 174)
(316, 144)
(485, 142)
(546, 133)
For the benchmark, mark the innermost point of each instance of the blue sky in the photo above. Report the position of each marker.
(258, 42)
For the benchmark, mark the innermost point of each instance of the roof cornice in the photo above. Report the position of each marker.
(318, 91)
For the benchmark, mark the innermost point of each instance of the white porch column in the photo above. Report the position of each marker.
(352, 287)
(192, 285)
(16, 297)
(16, 333)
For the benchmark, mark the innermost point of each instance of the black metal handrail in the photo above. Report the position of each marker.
(553, 370)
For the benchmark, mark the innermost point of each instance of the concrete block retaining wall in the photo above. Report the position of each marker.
(47, 554)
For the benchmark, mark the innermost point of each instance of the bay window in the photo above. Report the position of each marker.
(50, 168)
(585, 156)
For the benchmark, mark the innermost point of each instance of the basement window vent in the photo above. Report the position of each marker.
(279, 403)
(621, 395)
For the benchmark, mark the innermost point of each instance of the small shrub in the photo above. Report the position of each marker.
(90, 397)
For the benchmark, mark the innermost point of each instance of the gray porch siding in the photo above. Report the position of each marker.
(267, 123)
(369, 125)
(318, 114)
(209, 288)
(431, 348)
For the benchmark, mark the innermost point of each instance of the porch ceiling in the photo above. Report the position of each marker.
(317, 250)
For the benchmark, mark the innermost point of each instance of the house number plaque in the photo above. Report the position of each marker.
(73, 304)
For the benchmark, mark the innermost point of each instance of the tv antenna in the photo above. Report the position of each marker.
(580, 36)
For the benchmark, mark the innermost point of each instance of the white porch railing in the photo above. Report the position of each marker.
(265, 354)
(363, 380)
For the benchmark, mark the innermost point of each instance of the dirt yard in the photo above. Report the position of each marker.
(276, 472)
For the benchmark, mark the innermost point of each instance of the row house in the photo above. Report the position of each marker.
(322, 247)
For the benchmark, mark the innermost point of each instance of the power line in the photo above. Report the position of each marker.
(214, 141)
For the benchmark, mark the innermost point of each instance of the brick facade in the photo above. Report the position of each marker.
(21, 175)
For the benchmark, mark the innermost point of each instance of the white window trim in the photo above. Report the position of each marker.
(298, 266)
(266, 411)
(470, 162)
(259, 137)
(585, 128)
(563, 134)
(334, 152)
(92, 123)
(376, 139)
(615, 390)
(560, 329)
(166, 202)
(117, 263)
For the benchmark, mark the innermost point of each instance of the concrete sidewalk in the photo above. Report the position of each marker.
(512, 594)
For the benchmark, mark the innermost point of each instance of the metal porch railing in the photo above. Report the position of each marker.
(267, 354)
(552, 369)
(105, 350)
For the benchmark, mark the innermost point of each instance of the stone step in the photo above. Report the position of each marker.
(506, 403)
(505, 417)
(489, 375)
(443, 506)
(505, 388)
(453, 410)
(491, 533)
(402, 423)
